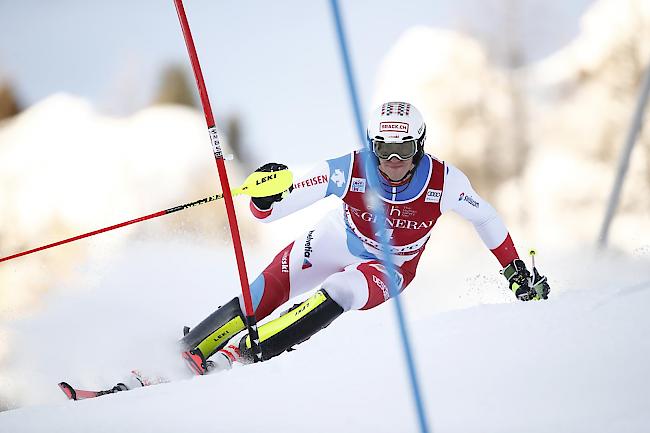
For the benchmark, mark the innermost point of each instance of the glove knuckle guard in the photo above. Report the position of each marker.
(524, 285)
(272, 166)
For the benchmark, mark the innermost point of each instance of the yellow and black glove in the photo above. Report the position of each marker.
(265, 203)
(525, 286)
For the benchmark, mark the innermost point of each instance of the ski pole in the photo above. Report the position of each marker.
(256, 185)
(532, 254)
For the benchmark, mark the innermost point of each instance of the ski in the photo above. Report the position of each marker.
(82, 394)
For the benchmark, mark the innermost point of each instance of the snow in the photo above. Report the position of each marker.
(574, 363)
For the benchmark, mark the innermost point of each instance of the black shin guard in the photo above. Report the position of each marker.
(294, 326)
(215, 330)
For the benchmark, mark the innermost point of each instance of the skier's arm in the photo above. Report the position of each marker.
(326, 178)
(459, 196)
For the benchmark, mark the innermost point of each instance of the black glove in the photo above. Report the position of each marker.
(265, 203)
(525, 286)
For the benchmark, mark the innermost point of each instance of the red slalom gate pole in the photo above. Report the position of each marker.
(223, 178)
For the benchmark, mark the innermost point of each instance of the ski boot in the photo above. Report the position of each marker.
(210, 336)
(223, 360)
(293, 327)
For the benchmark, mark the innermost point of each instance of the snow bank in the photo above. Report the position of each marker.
(575, 363)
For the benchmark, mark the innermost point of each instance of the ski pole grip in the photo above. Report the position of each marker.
(532, 254)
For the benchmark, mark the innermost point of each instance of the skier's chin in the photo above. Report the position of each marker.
(395, 171)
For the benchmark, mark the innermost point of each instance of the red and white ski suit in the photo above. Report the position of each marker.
(341, 252)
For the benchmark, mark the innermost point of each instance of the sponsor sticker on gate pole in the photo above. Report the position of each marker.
(216, 146)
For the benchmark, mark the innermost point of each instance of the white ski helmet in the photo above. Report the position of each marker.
(396, 129)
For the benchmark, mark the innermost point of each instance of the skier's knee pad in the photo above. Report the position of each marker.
(293, 327)
(347, 288)
(215, 330)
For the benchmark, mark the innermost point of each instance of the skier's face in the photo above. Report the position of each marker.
(395, 168)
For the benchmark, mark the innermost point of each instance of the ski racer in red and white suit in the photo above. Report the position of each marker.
(341, 254)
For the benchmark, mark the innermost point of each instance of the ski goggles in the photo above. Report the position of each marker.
(403, 150)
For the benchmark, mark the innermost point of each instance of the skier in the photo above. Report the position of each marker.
(341, 253)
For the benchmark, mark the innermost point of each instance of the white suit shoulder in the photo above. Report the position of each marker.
(456, 183)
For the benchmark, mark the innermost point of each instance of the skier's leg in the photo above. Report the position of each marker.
(362, 283)
(214, 332)
(359, 286)
(365, 285)
(303, 266)
(293, 327)
(317, 258)
(299, 267)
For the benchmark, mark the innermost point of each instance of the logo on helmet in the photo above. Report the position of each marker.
(393, 127)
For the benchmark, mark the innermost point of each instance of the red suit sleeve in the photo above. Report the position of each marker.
(506, 252)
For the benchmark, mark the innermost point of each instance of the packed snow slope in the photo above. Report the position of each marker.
(576, 363)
